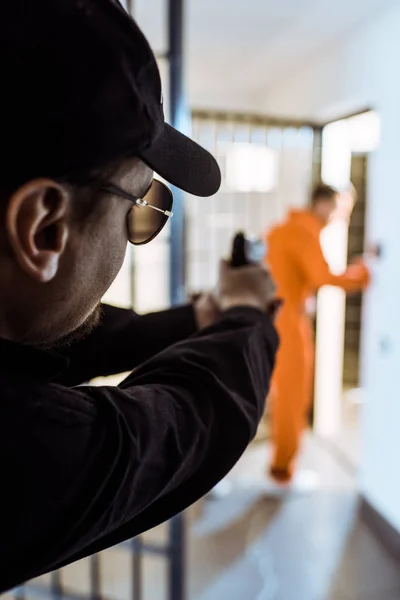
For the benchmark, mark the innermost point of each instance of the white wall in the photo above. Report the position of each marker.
(352, 74)
(362, 71)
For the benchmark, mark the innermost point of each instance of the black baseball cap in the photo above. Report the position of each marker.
(80, 89)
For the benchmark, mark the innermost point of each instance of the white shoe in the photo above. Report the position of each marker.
(303, 482)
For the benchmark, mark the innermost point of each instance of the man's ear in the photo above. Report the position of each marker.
(37, 227)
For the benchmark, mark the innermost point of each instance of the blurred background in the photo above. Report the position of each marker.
(283, 93)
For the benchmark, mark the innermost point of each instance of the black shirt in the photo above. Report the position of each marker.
(85, 468)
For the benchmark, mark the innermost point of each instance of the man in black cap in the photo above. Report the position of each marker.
(82, 129)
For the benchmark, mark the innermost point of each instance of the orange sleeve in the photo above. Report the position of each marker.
(311, 261)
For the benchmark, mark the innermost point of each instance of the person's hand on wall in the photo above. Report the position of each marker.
(373, 251)
(247, 286)
(359, 271)
(364, 266)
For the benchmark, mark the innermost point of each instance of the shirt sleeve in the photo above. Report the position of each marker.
(109, 463)
(312, 264)
(124, 340)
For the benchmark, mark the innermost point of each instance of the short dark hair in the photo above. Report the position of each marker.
(322, 191)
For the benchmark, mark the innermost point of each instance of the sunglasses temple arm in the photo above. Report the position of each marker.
(167, 213)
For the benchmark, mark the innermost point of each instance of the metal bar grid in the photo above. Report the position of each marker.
(251, 119)
(296, 147)
(173, 552)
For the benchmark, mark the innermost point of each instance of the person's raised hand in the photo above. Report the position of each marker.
(250, 286)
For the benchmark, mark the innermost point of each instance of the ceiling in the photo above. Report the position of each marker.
(237, 49)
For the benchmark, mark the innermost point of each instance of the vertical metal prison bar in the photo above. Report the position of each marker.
(137, 566)
(177, 571)
(56, 585)
(177, 118)
(177, 261)
(317, 155)
(95, 577)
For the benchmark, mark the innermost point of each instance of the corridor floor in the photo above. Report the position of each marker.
(249, 546)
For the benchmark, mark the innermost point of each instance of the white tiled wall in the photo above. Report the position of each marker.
(213, 222)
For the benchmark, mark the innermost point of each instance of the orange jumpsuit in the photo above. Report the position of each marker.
(297, 264)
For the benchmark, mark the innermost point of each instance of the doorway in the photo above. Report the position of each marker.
(349, 436)
(347, 145)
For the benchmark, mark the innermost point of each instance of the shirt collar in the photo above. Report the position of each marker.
(30, 363)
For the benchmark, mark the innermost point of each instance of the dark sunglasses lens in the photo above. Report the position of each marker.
(144, 222)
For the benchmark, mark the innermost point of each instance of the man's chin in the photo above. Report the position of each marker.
(77, 334)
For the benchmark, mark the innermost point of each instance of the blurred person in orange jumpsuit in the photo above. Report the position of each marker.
(295, 258)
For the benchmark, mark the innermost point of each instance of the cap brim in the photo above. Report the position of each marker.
(183, 163)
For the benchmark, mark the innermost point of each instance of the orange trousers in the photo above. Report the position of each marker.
(292, 386)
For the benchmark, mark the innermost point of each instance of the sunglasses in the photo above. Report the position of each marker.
(149, 215)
